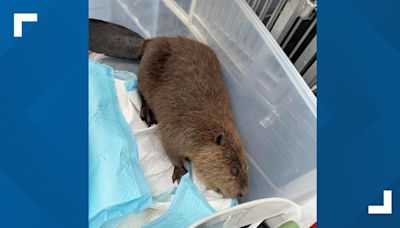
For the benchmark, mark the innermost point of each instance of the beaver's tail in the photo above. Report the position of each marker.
(115, 40)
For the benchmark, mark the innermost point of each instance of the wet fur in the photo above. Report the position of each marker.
(181, 82)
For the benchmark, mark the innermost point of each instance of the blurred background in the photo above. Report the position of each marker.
(293, 23)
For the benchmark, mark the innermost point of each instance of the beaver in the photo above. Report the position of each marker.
(182, 89)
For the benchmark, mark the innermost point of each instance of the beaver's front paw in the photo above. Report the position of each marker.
(178, 173)
(147, 115)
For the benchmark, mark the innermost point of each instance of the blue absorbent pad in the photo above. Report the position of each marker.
(188, 206)
(117, 185)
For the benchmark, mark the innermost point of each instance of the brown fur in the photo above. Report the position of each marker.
(181, 81)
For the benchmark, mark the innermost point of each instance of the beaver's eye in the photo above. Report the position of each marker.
(219, 139)
(234, 171)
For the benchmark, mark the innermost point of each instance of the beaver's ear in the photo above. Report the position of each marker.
(114, 40)
(219, 139)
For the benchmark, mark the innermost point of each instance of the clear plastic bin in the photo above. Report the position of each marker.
(275, 111)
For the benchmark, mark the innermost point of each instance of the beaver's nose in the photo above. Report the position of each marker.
(239, 195)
